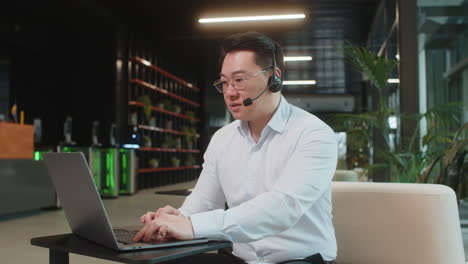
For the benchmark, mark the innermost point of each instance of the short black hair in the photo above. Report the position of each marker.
(257, 42)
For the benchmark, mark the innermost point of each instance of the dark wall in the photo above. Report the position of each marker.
(60, 69)
(63, 54)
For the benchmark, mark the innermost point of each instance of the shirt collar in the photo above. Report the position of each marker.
(277, 122)
(280, 118)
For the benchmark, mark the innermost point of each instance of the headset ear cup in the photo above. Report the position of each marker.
(275, 83)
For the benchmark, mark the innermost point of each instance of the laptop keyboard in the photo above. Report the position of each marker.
(125, 236)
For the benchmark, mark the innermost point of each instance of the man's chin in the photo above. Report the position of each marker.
(238, 116)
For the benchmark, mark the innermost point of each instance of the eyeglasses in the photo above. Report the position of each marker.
(237, 82)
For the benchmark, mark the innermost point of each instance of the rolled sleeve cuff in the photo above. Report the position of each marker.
(184, 212)
(207, 225)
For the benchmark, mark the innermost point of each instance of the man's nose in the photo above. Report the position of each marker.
(230, 90)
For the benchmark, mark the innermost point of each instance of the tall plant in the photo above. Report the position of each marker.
(404, 158)
(454, 163)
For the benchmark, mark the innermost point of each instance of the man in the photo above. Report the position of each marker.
(273, 166)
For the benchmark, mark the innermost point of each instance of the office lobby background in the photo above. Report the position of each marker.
(129, 83)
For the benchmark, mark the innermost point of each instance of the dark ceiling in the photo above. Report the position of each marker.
(327, 25)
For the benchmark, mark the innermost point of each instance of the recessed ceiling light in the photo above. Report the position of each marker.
(301, 82)
(250, 18)
(298, 58)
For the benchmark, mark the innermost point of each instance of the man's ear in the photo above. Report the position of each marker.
(278, 72)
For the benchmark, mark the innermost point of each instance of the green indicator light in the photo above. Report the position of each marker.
(124, 170)
(67, 149)
(37, 155)
(110, 170)
(124, 160)
(97, 166)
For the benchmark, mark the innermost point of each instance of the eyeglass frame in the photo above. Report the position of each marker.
(244, 79)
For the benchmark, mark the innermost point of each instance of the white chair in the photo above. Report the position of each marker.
(396, 223)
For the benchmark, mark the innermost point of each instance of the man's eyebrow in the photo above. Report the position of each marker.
(234, 73)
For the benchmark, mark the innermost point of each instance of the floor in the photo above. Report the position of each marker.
(122, 211)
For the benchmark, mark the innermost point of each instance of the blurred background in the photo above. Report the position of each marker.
(129, 84)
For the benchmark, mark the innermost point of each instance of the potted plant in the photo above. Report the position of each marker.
(453, 164)
(190, 160)
(177, 108)
(147, 142)
(168, 105)
(168, 124)
(145, 99)
(153, 163)
(404, 158)
(168, 142)
(191, 116)
(175, 162)
(190, 134)
(160, 105)
(152, 121)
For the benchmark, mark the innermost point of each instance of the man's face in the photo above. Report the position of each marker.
(242, 64)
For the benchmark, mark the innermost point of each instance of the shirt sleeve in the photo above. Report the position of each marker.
(207, 194)
(307, 175)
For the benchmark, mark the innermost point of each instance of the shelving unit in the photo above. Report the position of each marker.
(163, 112)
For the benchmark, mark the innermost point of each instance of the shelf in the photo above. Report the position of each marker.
(174, 132)
(158, 129)
(165, 73)
(164, 91)
(164, 111)
(169, 150)
(169, 169)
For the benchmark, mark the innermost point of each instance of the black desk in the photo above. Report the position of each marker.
(61, 245)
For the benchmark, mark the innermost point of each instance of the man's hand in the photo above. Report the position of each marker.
(149, 216)
(166, 226)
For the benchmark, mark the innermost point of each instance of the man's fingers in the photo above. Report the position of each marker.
(139, 235)
(143, 219)
(158, 225)
(162, 232)
(167, 210)
(159, 212)
(150, 230)
(148, 216)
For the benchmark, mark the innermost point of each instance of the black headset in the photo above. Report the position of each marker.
(274, 82)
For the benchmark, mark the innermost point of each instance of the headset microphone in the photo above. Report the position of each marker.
(249, 101)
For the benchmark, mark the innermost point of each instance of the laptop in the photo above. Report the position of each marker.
(85, 213)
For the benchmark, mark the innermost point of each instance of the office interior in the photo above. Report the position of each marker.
(129, 85)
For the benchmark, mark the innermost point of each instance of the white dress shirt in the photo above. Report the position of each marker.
(278, 190)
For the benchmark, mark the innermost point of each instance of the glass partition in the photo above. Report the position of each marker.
(443, 53)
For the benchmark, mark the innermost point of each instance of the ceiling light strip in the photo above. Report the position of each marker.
(250, 18)
(302, 82)
(298, 58)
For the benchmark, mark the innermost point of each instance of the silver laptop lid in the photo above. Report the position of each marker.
(79, 197)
